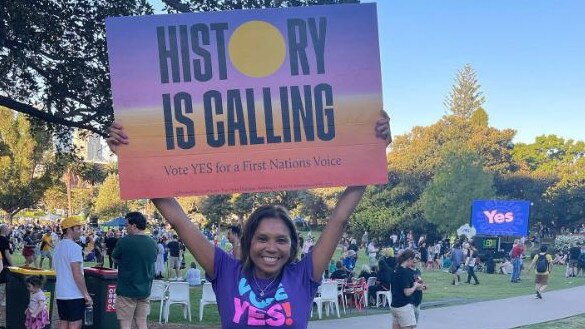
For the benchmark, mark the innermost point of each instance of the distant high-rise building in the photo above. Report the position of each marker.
(89, 147)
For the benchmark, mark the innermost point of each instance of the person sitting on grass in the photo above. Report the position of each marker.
(506, 267)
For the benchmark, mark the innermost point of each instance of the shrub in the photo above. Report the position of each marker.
(564, 242)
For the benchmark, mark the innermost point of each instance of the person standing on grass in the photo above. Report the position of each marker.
(234, 237)
(47, 247)
(135, 254)
(516, 255)
(542, 263)
(456, 261)
(175, 257)
(471, 262)
(110, 242)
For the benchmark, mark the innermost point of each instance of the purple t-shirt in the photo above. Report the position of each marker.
(286, 304)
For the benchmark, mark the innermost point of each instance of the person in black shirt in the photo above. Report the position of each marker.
(403, 288)
(383, 281)
(110, 243)
(175, 256)
(340, 272)
(574, 253)
(417, 295)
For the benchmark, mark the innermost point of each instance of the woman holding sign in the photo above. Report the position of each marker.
(268, 287)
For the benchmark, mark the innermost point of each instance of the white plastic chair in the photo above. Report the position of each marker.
(386, 298)
(178, 294)
(207, 298)
(371, 282)
(158, 294)
(328, 295)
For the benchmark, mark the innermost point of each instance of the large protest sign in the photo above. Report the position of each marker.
(248, 100)
(500, 217)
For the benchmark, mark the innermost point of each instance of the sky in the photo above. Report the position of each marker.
(529, 57)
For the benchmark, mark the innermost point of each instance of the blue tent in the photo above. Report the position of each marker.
(120, 221)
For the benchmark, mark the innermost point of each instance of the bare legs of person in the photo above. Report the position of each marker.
(69, 325)
(539, 288)
(127, 324)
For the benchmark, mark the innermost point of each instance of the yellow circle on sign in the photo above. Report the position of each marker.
(257, 49)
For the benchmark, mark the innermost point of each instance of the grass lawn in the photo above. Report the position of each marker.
(440, 293)
(575, 322)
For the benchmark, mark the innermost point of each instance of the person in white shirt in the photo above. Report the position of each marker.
(193, 275)
(70, 290)
(372, 253)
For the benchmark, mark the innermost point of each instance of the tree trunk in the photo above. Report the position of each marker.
(67, 177)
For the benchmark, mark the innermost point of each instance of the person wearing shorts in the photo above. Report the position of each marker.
(135, 254)
(70, 290)
(175, 257)
(47, 248)
(541, 278)
(403, 287)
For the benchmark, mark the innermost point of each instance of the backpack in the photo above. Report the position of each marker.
(541, 264)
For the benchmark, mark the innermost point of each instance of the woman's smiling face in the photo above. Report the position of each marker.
(270, 248)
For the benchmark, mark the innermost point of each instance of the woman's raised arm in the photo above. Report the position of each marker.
(348, 201)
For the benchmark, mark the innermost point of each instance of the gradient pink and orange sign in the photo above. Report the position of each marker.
(247, 101)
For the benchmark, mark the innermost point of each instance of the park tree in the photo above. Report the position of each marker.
(217, 209)
(55, 198)
(190, 204)
(465, 97)
(93, 173)
(27, 165)
(108, 202)
(287, 199)
(243, 205)
(460, 180)
(527, 186)
(547, 154)
(391, 207)
(565, 200)
(313, 205)
(214, 5)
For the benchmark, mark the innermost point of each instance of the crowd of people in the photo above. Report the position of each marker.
(268, 277)
(389, 264)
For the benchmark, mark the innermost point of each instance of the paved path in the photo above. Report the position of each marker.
(495, 314)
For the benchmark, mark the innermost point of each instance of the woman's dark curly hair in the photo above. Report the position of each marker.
(404, 256)
(251, 225)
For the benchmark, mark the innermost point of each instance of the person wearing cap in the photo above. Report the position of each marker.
(47, 248)
(70, 290)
